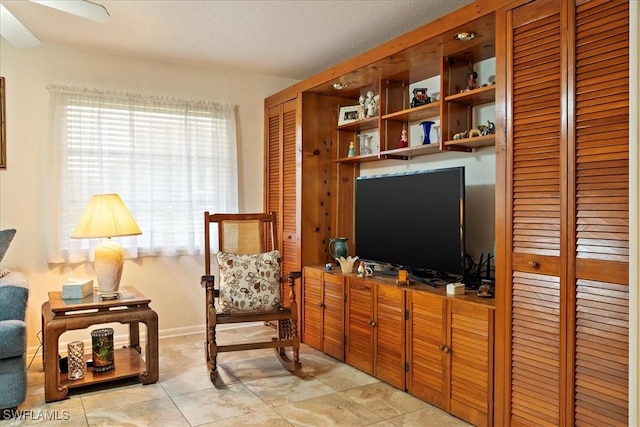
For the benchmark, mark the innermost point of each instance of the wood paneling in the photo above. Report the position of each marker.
(360, 336)
(602, 132)
(602, 333)
(567, 167)
(471, 362)
(312, 308)
(427, 362)
(390, 335)
(535, 347)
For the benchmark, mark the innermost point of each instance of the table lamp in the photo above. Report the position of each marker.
(107, 216)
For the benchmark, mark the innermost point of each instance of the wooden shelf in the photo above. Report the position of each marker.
(414, 114)
(358, 159)
(479, 96)
(128, 363)
(360, 125)
(476, 142)
(407, 153)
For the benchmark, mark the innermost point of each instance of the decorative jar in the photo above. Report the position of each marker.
(75, 358)
(102, 345)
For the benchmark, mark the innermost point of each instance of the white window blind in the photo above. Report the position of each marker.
(168, 159)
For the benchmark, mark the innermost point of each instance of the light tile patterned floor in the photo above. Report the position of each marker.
(254, 390)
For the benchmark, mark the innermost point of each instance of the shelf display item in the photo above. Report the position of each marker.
(404, 143)
(365, 145)
(75, 357)
(102, 345)
(472, 80)
(490, 129)
(339, 248)
(372, 104)
(426, 129)
(352, 149)
(346, 264)
(420, 97)
(361, 108)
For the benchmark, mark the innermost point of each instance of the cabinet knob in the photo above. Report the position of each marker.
(446, 349)
(441, 347)
(321, 305)
(373, 323)
(533, 264)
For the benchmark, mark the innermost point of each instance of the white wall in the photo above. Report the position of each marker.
(173, 284)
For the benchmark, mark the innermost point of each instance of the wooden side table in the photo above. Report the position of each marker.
(131, 307)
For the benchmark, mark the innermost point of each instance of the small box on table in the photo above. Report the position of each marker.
(77, 288)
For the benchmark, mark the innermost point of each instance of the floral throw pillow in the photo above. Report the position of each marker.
(249, 283)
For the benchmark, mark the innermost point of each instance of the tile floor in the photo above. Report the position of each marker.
(254, 390)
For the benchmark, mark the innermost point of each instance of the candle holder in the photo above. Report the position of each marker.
(102, 345)
(75, 357)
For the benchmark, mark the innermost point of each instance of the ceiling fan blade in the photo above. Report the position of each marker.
(83, 8)
(13, 30)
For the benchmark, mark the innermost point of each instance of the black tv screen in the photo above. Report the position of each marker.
(412, 220)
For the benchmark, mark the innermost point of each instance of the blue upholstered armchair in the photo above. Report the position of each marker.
(14, 292)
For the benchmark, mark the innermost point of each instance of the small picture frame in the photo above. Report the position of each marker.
(348, 114)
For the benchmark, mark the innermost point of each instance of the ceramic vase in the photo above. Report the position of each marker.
(426, 129)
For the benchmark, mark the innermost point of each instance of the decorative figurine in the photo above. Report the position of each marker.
(352, 149)
(361, 271)
(420, 97)
(472, 80)
(404, 143)
(364, 270)
(490, 129)
(461, 135)
(372, 108)
(361, 108)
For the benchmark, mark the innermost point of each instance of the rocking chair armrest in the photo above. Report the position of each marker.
(294, 275)
(207, 281)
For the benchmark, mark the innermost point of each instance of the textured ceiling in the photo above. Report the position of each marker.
(286, 38)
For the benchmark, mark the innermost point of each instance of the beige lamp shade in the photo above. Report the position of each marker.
(107, 216)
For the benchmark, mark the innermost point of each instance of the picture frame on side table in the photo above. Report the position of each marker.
(348, 114)
(3, 131)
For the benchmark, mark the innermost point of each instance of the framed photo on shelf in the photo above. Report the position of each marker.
(348, 114)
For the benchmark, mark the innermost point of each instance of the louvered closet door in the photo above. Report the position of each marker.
(535, 204)
(601, 208)
(273, 162)
(289, 246)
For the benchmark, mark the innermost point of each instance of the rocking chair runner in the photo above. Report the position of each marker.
(243, 239)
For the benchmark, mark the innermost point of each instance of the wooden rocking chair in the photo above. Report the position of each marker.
(246, 241)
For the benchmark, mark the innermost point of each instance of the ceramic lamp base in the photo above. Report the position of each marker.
(108, 263)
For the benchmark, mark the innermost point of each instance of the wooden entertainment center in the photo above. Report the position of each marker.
(437, 347)
(561, 100)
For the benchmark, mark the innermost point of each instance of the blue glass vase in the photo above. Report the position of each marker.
(426, 128)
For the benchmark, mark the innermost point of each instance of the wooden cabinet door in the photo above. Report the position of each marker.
(312, 315)
(428, 363)
(333, 315)
(281, 181)
(471, 365)
(537, 188)
(389, 329)
(599, 214)
(566, 292)
(360, 337)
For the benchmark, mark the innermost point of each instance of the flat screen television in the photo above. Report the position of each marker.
(413, 220)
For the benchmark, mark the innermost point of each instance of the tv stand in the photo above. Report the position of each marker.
(430, 278)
